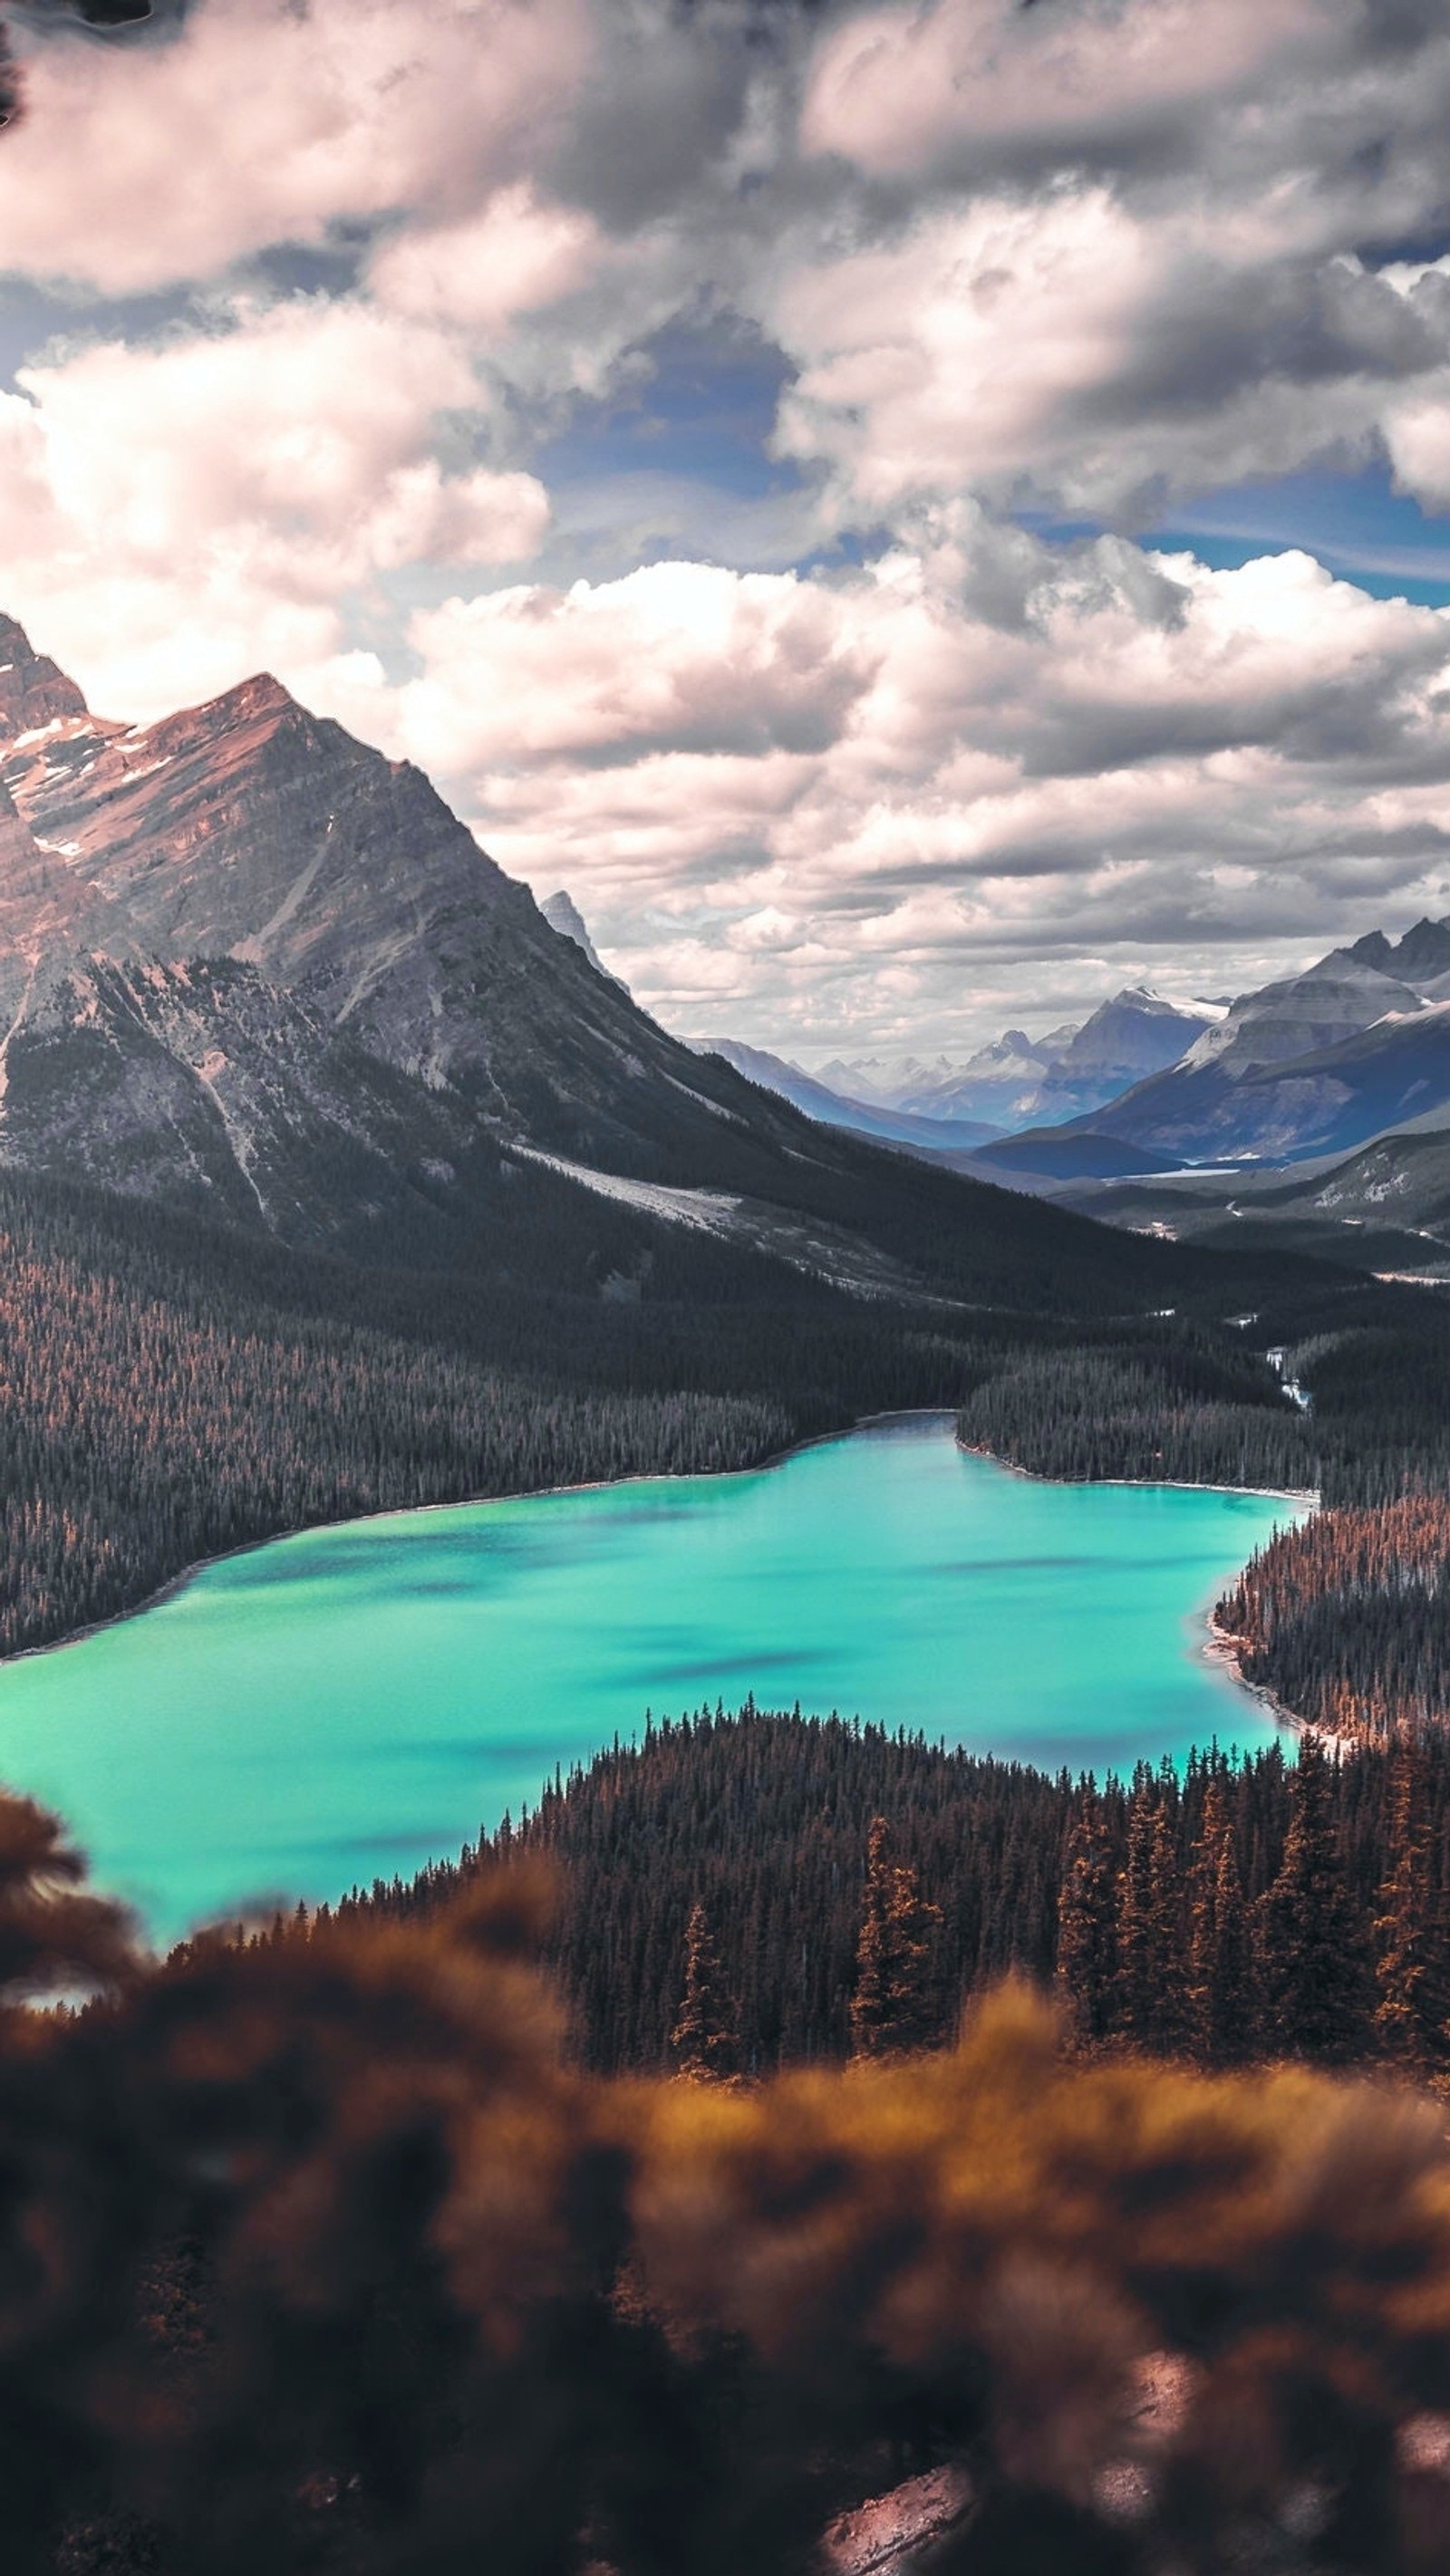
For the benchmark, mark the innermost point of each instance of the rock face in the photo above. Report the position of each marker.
(1316, 1064)
(563, 914)
(32, 691)
(1138, 1032)
(248, 963)
(201, 1083)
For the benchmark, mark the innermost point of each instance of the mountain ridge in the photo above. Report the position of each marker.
(253, 970)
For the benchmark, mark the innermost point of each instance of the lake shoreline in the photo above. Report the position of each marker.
(1223, 1646)
(1144, 1484)
(1217, 1646)
(1220, 1646)
(348, 1707)
(177, 1583)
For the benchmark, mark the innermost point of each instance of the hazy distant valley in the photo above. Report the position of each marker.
(1312, 1114)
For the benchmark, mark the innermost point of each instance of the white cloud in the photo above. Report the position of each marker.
(1417, 434)
(896, 89)
(138, 165)
(944, 364)
(841, 801)
(1092, 253)
(1070, 348)
(179, 515)
(513, 256)
(680, 657)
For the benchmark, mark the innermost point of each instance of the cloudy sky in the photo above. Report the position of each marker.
(916, 515)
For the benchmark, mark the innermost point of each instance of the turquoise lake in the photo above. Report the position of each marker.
(354, 1701)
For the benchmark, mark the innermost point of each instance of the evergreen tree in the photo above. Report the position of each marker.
(1314, 1980)
(895, 2006)
(1410, 1929)
(704, 2038)
(1222, 1990)
(1149, 1980)
(1087, 1943)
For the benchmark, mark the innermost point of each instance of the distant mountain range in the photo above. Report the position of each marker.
(1315, 1064)
(1020, 1081)
(1308, 1068)
(837, 1109)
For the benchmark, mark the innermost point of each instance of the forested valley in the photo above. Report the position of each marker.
(328, 2245)
(170, 1390)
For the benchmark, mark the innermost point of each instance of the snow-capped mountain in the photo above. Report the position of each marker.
(1315, 1063)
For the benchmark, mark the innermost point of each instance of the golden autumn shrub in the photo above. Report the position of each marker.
(317, 2251)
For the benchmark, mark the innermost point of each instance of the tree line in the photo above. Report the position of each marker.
(1253, 1908)
(1347, 1619)
(168, 1392)
(1180, 1410)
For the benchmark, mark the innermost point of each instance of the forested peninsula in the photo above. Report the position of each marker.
(1251, 1908)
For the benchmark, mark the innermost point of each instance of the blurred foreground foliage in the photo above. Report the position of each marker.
(319, 2252)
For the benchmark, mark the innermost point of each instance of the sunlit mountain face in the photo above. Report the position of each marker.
(920, 518)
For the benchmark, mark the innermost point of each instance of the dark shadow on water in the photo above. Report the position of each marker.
(707, 1668)
(1017, 1564)
(472, 1750)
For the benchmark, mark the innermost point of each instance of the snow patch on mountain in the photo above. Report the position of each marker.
(710, 1210)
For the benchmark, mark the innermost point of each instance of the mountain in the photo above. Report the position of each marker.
(1421, 957)
(1137, 1032)
(251, 969)
(1335, 1000)
(953, 1109)
(1311, 1065)
(1019, 1081)
(1324, 1100)
(1404, 1180)
(1385, 1208)
(563, 914)
(887, 1081)
(1000, 1083)
(248, 964)
(837, 1109)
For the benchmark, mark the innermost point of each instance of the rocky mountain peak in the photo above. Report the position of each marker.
(1420, 956)
(1136, 1032)
(304, 944)
(34, 691)
(1424, 951)
(563, 914)
(252, 710)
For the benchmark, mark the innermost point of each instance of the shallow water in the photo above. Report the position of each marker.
(353, 1701)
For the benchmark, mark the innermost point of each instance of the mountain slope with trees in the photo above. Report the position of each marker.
(817, 1889)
